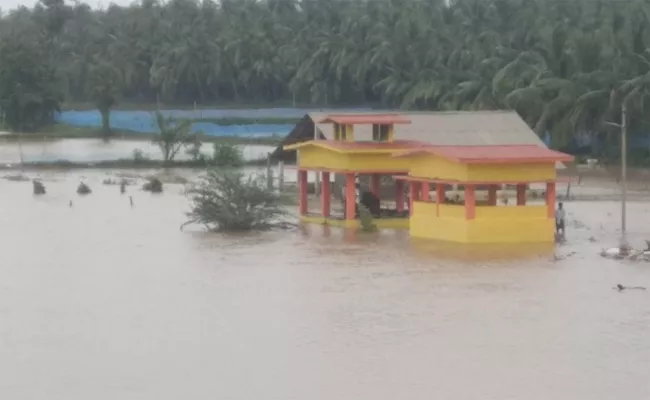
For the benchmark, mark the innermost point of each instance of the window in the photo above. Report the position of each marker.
(339, 132)
(380, 133)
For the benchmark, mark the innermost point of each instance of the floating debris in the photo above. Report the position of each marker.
(613, 252)
(620, 287)
(154, 185)
(626, 253)
(37, 187)
(83, 189)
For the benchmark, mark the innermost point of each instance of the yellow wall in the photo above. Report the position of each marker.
(511, 224)
(430, 166)
(511, 172)
(318, 157)
(510, 212)
(449, 226)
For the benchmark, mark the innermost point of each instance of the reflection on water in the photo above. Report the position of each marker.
(93, 150)
(103, 301)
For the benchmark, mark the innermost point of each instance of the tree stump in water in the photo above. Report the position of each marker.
(83, 189)
(154, 186)
(38, 187)
(371, 202)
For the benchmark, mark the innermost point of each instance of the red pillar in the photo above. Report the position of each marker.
(413, 194)
(470, 202)
(399, 195)
(521, 194)
(440, 196)
(492, 195)
(302, 188)
(326, 195)
(550, 198)
(374, 184)
(350, 197)
(424, 191)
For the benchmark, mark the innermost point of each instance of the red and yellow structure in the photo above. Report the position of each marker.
(430, 171)
(488, 167)
(343, 155)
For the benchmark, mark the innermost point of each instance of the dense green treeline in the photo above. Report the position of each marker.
(565, 66)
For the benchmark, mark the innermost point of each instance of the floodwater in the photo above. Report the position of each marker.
(103, 301)
(94, 150)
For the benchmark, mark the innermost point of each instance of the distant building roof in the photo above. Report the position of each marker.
(508, 154)
(459, 128)
(447, 128)
(365, 119)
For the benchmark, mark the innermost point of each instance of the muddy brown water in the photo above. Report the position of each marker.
(103, 301)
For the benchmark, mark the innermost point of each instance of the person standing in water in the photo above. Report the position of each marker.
(560, 216)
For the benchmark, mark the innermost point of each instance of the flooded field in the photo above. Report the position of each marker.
(102, 301)
(94, 150)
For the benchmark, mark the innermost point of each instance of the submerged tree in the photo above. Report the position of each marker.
(29, 92)
(227, 155)
(226, 200)
(172, 136)
(104, 87)
(37, 187)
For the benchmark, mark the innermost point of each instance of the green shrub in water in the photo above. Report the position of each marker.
(227, 155)
(227, 200)
(138, 156)
(366, 220)
(194, 151)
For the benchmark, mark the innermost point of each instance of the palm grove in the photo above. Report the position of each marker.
(565, 66)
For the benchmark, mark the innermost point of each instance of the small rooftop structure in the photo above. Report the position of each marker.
(368, 118)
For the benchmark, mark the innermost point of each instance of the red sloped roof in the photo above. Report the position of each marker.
(367, 119)
(366, 146)
(508, 154)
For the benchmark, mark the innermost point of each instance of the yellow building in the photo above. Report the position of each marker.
(488, 167)
(425, 167)
(343, 155)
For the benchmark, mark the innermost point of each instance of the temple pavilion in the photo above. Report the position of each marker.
(424, 169)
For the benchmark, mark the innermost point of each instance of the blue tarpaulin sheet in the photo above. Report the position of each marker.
(144, 121)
